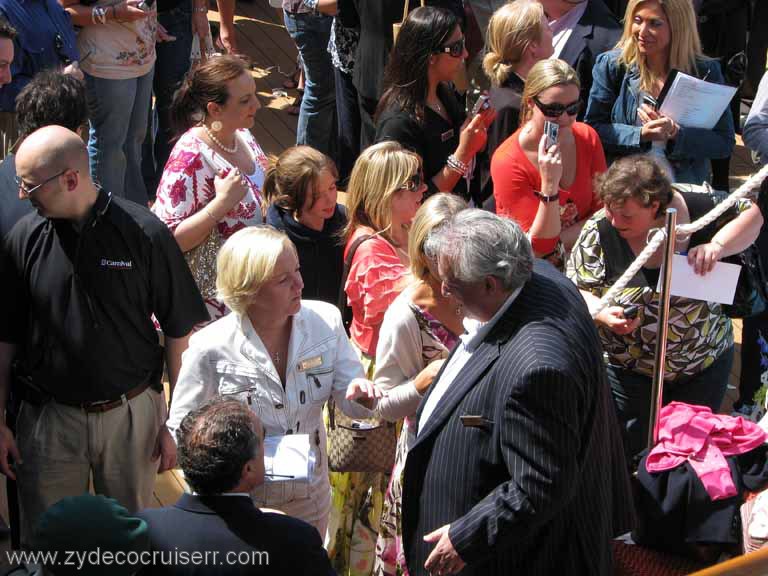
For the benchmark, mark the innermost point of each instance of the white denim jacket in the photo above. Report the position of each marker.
(227, 357)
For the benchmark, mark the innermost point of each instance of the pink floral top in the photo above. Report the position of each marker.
(187, 185)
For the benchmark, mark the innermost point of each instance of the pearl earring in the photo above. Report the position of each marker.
(216, 126)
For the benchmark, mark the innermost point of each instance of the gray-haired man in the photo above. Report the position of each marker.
(517, 467)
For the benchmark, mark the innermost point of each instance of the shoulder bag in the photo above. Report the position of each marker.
(359, 445)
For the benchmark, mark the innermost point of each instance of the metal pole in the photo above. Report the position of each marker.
(661, 329)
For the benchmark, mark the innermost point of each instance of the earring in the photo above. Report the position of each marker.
(216, 126)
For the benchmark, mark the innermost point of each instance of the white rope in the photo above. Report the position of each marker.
(750, 188)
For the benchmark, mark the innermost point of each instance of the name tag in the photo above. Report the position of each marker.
(445, 136)
(310, 363)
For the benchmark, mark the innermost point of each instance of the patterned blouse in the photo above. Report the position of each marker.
(698, 331)
(187, 186)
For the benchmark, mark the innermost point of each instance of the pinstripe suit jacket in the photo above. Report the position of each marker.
(533, 489)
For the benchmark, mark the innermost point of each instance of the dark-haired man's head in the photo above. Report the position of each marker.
(7, 34)
(51, 97)
(221, 448)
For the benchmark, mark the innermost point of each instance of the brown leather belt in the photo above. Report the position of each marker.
(107, 405)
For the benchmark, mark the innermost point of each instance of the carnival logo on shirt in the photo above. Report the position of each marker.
(117, 264)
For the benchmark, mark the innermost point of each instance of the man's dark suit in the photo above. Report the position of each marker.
(532, 486)
(234, 528)
(597, 31)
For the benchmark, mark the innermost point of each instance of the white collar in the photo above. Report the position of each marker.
(477, 330)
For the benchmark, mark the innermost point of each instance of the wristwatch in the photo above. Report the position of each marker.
(546, 199)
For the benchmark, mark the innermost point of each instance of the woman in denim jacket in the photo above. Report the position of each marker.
(657, 38)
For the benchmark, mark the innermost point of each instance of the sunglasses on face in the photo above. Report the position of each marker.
(455, 49)
(556, 110)
(414, 182)
(28, 191)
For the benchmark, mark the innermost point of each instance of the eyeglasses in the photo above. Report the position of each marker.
(455, 49)
(556, 110)
(27, 191)
(413, 183)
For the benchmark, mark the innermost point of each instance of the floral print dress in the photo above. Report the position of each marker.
(436, 342)
(187, 186)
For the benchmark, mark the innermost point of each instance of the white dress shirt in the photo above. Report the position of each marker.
(476, 332)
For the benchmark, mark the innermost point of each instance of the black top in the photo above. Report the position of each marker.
(235, 536)
(434, 140)
(79, 303)
(321, 254)
(506, 99)
(11, 207)
(167, 5)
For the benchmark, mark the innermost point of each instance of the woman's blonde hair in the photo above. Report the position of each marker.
(293, 175)
(435, 212)
(246, 261)
(684, 43)
(379, 172)
(512, 28)
(544, 75)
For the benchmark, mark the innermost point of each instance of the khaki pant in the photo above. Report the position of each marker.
(61, 447)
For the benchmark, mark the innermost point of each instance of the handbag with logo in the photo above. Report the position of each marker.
(359, 445)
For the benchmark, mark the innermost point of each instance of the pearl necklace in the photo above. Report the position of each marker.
(232, 150)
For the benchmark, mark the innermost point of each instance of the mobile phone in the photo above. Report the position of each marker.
(551, 131)
(630, 312)
(482, 103)
(650, 101)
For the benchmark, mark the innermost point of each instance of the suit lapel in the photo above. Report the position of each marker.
(485, 355)
(577, 40)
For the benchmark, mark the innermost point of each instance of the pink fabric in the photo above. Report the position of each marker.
(376, 277)
(693, 433)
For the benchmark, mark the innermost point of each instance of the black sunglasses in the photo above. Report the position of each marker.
(556, 110)
(58, 46)
(455, 49)
(414, 182)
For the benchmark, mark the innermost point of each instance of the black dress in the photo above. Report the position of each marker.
(321, 253)
(434, 139)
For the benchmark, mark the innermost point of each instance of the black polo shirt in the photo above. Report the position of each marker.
(79, 303)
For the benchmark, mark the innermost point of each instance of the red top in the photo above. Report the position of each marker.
(376, 277)
(515, 178)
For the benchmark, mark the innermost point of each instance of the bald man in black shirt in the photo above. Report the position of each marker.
(83, 277)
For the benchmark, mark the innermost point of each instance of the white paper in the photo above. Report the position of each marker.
(695, 103)
(718, 285)
(288, 458)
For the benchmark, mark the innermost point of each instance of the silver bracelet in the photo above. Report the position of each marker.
(457, 165)
(99, 15)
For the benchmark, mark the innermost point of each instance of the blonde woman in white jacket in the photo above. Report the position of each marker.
(283, 356)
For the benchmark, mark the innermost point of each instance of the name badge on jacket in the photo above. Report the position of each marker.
(310, 363)
(447, 135)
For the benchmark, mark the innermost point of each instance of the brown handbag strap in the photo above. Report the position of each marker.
(406, 4)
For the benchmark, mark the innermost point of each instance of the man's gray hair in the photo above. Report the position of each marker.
(477, 244)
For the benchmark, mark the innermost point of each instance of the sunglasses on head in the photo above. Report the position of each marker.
(414, 182)
(556, 110)
(455, 49)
